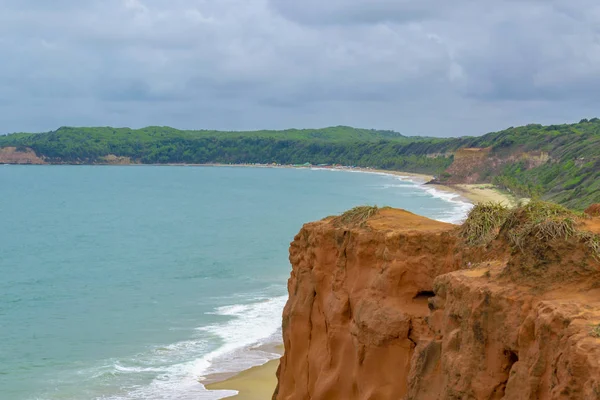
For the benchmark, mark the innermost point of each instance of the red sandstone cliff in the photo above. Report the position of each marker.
(400, 308)
(479, 164)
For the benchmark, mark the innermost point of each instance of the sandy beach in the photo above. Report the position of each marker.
(257, 383)
(473, 193)
(481, 193)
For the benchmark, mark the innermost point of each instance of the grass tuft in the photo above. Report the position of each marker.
(483, 223)
(357, 216)
(592, 241)
(595, 331)
(542, 222)
(533, 224)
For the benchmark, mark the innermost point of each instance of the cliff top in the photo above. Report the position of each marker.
(387, 219)
(402, 220)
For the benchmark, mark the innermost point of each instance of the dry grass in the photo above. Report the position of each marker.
(539, 222)
(592, 241)
(595, 331)
(357, 216)
(483, 223)
(530, 225)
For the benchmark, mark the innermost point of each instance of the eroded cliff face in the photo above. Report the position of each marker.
(400, 309)
(12, 155)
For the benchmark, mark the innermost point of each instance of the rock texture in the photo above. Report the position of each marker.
(593, 210)
(477, 164)
(12, 155)
(401, 309)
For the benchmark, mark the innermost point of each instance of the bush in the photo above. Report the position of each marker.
(483, 223)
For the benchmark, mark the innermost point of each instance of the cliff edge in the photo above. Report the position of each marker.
(385, 304)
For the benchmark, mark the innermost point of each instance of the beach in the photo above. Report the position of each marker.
(471, 193)
(481, 193)
(257, 383)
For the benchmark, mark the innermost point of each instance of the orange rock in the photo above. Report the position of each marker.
(401, 309)
(593, 210)
(12, 155)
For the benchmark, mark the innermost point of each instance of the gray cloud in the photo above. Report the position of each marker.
(421, 67)
(359, 11)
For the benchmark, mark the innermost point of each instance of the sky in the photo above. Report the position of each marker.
(420, 67)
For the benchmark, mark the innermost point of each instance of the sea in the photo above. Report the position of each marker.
(142, 282)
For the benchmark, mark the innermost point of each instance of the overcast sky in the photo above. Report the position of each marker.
(429, 67)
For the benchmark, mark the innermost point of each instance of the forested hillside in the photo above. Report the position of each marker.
(340, 145)
(556, 162)
(570, 175)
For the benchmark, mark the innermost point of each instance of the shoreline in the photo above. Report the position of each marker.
(480, 193)
(256, 383)
(260, 382)
(469, 193)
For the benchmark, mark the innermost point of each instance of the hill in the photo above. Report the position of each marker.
(556, 162)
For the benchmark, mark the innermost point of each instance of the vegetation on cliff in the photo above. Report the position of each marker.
(405, 309)
(557, 162)
(483, 222)
(531, 226)
(571, 175)
(356, 216)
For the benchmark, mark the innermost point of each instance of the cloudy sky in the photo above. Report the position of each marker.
(432, 67)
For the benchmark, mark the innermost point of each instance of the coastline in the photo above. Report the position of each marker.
(256, 383)
(480, 193)
(470, 193)
(260, 382)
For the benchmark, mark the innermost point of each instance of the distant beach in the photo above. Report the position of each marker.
(472, 193)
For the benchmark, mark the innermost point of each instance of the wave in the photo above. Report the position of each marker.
(253, 326)
(461, 207)
(456, 214)
(246, 338)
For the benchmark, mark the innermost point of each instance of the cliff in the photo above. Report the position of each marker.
(14, 155)
(477, 165)
(397, 306)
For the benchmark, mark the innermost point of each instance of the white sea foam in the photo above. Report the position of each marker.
(250, 326)
(461, 207)
(456, 214)
(254, 324)
(175, 371)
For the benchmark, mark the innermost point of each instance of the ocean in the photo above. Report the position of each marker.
(138, 282)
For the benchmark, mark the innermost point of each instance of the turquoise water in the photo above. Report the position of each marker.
(136, 282)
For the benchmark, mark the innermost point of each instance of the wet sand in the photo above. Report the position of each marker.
(481, 193)
(257, 383)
